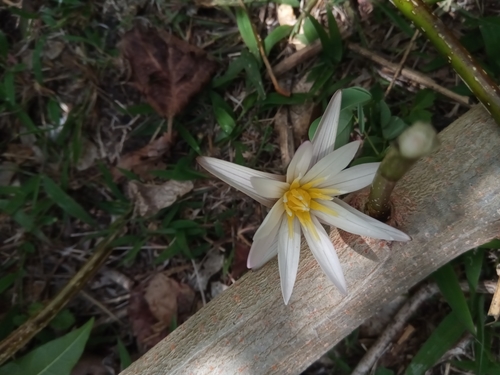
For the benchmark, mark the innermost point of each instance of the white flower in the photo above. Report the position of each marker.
(304, 199)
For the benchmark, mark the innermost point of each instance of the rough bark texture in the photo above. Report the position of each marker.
(448, 203)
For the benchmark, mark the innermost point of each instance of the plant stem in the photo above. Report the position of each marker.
(22, 335)
(474, 76)
(417, 141)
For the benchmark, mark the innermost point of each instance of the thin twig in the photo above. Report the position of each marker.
(315, 48)
(262, 51)
(401, 63)
(22, 335)
(401, 318)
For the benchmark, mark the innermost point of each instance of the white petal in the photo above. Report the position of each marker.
(271, 221)
(238, 177)
(263, 249)
(396, 234)
(288, 256)
(352, 179)
(332, 163)
(326, 133)
(355, 222)
(325, 254)
(300, 162)
(269, 188)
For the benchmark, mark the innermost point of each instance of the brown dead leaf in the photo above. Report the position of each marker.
(142, 161)
(143, 321)
(90, 364)
(286, 15)
(166, 298)
(239, 265)
(167, 70)
(149, 199)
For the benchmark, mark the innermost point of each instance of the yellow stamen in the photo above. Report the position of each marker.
(299, 200)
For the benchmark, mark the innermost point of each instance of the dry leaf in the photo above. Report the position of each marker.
(239, 266)
(166, 298)
(286, 15)
(143, 321)
(142, 161)
(167, 70)
(149, 199)
(211, 265)
(90, 365)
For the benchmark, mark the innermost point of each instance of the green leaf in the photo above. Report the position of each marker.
(37, 60)
(385, 114)
(64, 201)
(233, 70)
(189, 139)
(449, 286)
(9, 88)
(246, 31)
(310, 32)
(396, 19)
(490, 30)
(125, 359)
(328, 49)
(473, 262)
(223, 113)
(335, 37)
(4, 46)
(279, 33)
(354, 96)
(424, 99)
(57, 357)
(253, 73)
(63, 320)
(346, 122)
(394, 128)
(446, 334)
(7, 280)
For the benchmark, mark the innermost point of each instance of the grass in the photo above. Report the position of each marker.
(67, 113)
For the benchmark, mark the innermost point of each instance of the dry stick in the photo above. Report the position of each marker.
(22, 335)
(248, 330)
(262, 51)
(316, 47)
(475, 77)
(401, 63)
(403, 315)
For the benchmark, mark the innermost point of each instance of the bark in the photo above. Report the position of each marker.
(448, 203)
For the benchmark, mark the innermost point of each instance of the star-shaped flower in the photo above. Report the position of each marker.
(304, 199)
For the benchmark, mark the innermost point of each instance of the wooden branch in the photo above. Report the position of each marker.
(449, 203)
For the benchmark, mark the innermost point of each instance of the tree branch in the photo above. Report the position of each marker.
(448, 203)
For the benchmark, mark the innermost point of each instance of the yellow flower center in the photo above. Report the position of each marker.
(299, 200)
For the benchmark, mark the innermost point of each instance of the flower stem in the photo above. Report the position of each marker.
(417, 141)
(474, 76)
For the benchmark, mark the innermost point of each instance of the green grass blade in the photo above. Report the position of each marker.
(64, 201)
(335, 37)
(279, 33)
(447, 333)
(55, 357)
(447, 282)
(246, 31)
(125, 359)
(473, 261)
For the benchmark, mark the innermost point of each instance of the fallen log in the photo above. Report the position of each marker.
(448, 203)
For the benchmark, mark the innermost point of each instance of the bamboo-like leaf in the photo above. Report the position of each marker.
(449, 286)
(246, 31)
(442, 339)
(63, 200)
(57, 357)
